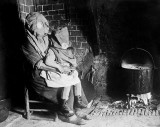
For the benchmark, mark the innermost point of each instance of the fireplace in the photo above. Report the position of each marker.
(138, 67)
(127, 32)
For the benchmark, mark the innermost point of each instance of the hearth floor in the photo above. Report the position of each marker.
(109, 121)
(16, 119)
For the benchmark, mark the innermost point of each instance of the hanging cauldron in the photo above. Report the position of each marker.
(137, 65)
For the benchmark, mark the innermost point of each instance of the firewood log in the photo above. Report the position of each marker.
(150, 113)
(146, 112)
(139, 112)
(142, 112)
(157, 113)
(135, 111)
(129, 110)
(153, 113)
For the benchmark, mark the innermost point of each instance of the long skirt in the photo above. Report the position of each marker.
(38, 84)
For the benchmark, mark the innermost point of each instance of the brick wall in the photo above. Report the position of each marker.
(58, 13)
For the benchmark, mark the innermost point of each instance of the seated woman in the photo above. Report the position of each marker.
(61, 56)
(35, 50)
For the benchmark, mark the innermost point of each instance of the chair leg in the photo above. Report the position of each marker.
(28, 114)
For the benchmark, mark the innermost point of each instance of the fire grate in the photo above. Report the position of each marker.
(121, 108)
(132, 111)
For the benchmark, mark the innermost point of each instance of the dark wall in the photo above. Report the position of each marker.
(126, 24)
(11, 37)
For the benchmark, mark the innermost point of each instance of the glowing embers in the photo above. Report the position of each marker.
(140, 100)
(119, 108)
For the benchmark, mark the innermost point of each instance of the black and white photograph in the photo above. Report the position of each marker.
(79, 63)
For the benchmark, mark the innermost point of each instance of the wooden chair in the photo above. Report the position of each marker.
(38, 104)
(33, 101)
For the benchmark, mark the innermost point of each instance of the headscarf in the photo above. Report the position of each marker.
(40, 43)
(32, 19)
(63, 55)
(62, 36)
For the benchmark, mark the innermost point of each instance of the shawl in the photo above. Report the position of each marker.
(31, 22)
(62, 36)
(63, 55)
(39, 43)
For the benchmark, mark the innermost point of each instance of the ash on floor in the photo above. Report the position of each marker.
(98, 120)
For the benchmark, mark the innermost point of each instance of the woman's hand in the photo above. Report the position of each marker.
(73, 68)
(66, 69)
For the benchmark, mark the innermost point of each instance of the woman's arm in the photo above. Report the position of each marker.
(50, 61)
(34, 58)
(41, 65)
(49, 67)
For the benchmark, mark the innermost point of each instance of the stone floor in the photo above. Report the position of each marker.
(16, 119)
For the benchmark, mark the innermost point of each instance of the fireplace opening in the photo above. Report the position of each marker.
(137, 67)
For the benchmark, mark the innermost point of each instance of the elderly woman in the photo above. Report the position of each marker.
(60, 55)
(35, 50)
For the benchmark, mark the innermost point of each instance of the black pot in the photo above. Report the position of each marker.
(138, 81)
(138, 68)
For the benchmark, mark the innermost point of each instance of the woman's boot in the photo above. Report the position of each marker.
(65, 109)
(68, 115)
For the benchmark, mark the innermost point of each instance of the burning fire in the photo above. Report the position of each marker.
(141, 97)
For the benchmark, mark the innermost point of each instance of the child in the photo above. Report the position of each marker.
(62, 58)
